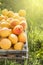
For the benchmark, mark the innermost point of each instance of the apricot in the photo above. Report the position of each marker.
(18, 46)
(24, 24)
(5, 43)
(16, 16)
(22, 37)
(17, 29)
(3, 17)
(5, 12)
(22, 12)
(0, 43)
(22, 19)
(14, 23)
(9, 20)
(0, 31)
(5, 32)
(4, 24)
(3, 20)
(13, 38)
(10, 14)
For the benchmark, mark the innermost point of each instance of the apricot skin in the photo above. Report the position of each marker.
(14, 23)
(22, 37)
(5, 43)
(22, 12)
(18, 46)
(5, 32)
(13, 38)
(24, 24)
(17, 29)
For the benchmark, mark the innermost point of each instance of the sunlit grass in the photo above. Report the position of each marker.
(34, 10)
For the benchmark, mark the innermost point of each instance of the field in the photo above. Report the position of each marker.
(34, 10)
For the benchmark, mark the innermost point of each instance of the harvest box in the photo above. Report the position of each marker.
(13, 36)
(12, 54)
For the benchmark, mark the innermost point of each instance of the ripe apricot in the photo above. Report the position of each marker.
(22, 12)
(16, 16)
(22, 18)
(5, 12)
(5, 43)
(0, 30)
(4, 24)
(13, 38)
(18, 46)
(14, 23)
(22, 37)
(24, 24)
(0, 44)
(17, 29)
(10, 14)
(3, 17)
(9, 20)
(5, 32)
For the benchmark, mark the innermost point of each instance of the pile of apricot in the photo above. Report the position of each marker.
(12, 30)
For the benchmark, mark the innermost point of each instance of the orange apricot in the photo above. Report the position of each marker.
(14, 23)
(17, 29)
(24, 24)
(22, 37)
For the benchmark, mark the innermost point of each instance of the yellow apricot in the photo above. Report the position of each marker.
(22, 12)
(18, 46)
(4, 24)
(5, 43)
(16, 16)
(22, 19)
(13, 38)
(9, 20)
(10, 14)
(5, 32)
(5, 12)
(3, 17)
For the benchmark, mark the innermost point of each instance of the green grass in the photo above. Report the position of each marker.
(34, 10)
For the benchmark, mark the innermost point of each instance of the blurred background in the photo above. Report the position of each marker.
(34, 16)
